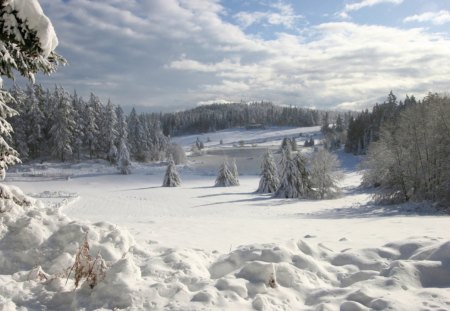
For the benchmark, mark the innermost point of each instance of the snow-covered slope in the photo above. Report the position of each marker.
(199, 247)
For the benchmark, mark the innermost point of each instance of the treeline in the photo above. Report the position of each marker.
(58, 125)
(210, 118)
(408, 148)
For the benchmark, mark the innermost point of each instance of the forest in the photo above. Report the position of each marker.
(407, 148)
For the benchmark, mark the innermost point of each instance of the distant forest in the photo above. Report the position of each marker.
(56, 124)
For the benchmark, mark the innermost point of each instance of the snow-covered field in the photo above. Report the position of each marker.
(198, 247)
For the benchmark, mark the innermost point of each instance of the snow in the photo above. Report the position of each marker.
(199, 247)
(31, 11)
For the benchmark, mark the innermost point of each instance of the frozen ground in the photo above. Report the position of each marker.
(200, 248)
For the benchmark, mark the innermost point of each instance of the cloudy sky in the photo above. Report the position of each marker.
(174, 54)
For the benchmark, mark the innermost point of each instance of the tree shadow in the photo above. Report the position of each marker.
(135, 189)
(373, 210)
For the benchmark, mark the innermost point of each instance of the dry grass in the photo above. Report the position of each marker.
(86, 267)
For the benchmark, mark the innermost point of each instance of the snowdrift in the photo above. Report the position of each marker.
(38, 246)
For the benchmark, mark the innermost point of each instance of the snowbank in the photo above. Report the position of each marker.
(38, 246)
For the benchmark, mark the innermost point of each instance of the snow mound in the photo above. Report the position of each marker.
(39, 245)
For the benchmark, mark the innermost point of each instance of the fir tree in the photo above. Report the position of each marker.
(110, 132)
(225, 177)
(269, 181)
(171, 178)
(35, 120)
(63, 125)
(123, 158)
(234, 173)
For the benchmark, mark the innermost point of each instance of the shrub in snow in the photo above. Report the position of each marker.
(171, 178)
(269, 181)
(123, 158)
(112, 154)
(225, 177)
(86, 267)
(177, 153)
(324, 173)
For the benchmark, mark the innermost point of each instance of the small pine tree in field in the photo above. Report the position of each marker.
(123, 158)
(294, 145)
(171, 178)
(234, 173)
(289, 176)
(269, 181)
(224, 178)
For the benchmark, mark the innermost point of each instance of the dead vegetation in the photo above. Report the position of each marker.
(86, 267)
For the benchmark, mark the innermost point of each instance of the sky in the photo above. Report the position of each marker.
(167, 55)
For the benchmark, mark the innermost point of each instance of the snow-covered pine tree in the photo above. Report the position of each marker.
(123, 157)
(27, 43)
(304, 184)
(97, 128)
(224, 177)
(18, 122)
(171, 178)
(234, 173)
(294, 146)
(35, 120)
(269, 181)
(136, 136)
(63, 126)
(78, 108)
(91, 132)
(289, 176)
(110, 131)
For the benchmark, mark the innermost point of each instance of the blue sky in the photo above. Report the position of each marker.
(174, 54)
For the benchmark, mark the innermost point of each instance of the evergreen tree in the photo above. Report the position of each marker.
(19, 123)
(79, 130)
(123, 157)
(91, 132)
(269, 181)
(171, 178)
(136, 136)
(110, 133)
(23, 50)
(294, 146)
(224, 178)
(35, 120)
(289, 176)
(63, 126)
(234, 173)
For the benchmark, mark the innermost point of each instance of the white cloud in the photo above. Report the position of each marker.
(284, 15)
(367, 3)
(173, 53)
(436, 18)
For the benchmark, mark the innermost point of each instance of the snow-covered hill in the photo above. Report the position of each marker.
(198, 247)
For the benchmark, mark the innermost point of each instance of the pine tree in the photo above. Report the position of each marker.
(269, 181)
(294, 146)
(289, 176)
(123, 158)
(35, 120)
(225, 177)
(63, 126)
(91, 132)
(110, 131)
(234, 173)
(171, 178)
(79, 130)
(26, 52)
